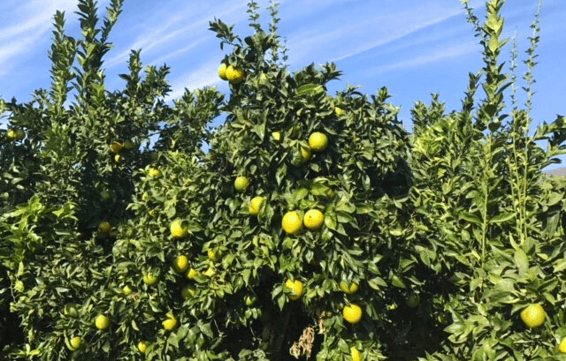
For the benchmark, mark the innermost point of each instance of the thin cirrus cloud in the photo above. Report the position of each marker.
(184, 25)
(20, 35)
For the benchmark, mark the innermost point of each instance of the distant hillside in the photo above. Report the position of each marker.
(559, 172)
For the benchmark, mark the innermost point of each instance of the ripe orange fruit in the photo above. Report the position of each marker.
(15, 134)
(154, 173)
(177, 229)
(20, 134)
(116, 147)
(533, 315)
(292, 223)
(355, 354)
(297, 288)
(210, 272)
(180, 264)
(104, 227)
(255, 205)
(192, 274)
(222, 71)
(149, 279)
(170, 323)
(142, 346)
(314, 219)
(349, 289)
(318, 141)
(75, 343)
(352, 313)
(234, 74)
(276, 136)
(241, 183)
(102, 322)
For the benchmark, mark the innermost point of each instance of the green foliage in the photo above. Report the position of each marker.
(447, 233)
(490, 224)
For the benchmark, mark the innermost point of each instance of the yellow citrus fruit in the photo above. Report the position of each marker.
(149, 279)
(562, 347)
(297, 288)
(104, 227)
(170, 323)
(338, 111)
(234, 74)
(241, 183)
(214, 255)
(255, 205)
(188, 291)
(533, 315)
(127, 290)
(180, 264)
(222, 71)
(154, 173)
(209, 272)
(177, 229)
(75, 343)
(292, 223)
(352, 313)
(306, 154)
(349, 289)
(276, 136)
(116, 147)
(355, 354)
(102, 322)
(318, 141)
(118, 158)
(314, 219)
(142, 346)
(192, 274)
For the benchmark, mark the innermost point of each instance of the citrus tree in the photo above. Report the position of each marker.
(69, 173)
(313, 225)
(282, 240)
(488, 224)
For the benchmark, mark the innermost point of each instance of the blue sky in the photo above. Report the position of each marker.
(414, 48)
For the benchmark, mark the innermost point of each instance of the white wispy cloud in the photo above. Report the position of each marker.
(29, 22)
(432, 56)
(178, 29)
(205, 75)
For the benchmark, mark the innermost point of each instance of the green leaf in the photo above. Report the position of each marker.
(310, 89)
(521, 261)
(470, 217)
(502, 217)
(397, 282)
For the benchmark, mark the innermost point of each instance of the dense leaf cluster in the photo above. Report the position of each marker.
(110, 208)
